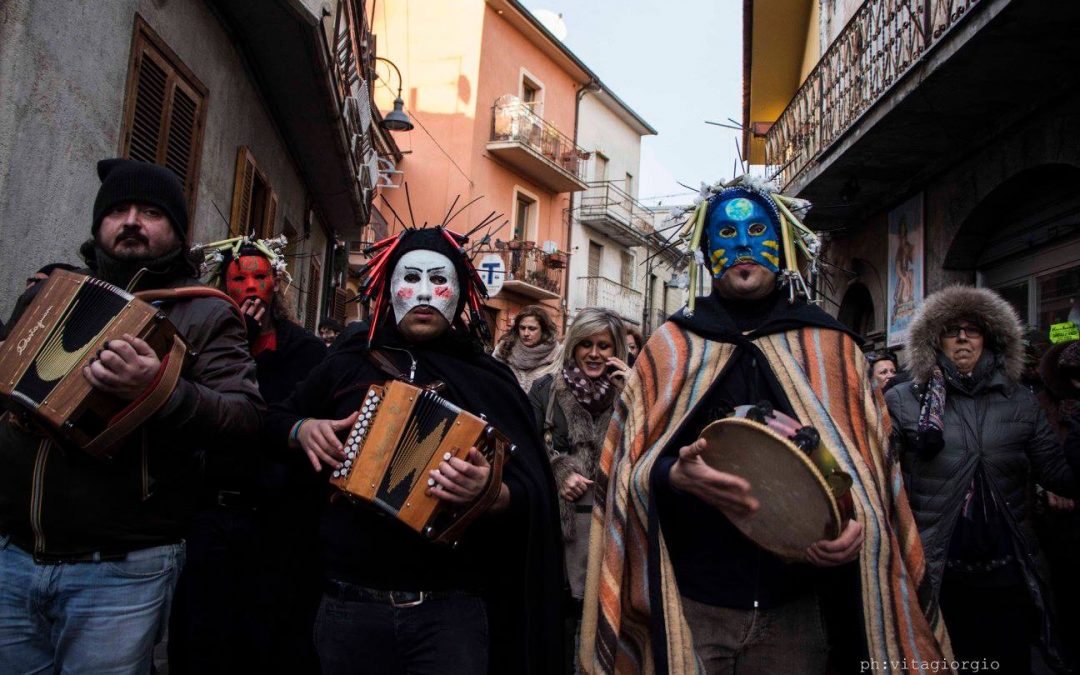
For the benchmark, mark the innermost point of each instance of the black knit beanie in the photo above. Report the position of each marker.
(129, 180)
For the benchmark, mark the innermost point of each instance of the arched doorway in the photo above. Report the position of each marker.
(1023, 240)
(857, 309)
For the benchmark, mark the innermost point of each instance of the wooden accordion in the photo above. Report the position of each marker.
(41, 362)
(404, 432)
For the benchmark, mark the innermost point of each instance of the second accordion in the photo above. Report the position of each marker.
(403, 433)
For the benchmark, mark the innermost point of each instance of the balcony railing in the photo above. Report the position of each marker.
(551, 157)
(603, 292)
(623, 218)
(875, 49)
(532, 272)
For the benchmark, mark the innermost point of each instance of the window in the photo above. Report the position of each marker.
(600, 169)
(532, 93)
(628, 185)
(596, 252)
(164, 110)
(627, 272)
(525, 207)
(254, 205)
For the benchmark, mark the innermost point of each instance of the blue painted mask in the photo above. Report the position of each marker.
(739, 229)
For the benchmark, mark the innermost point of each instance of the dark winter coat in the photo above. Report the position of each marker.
(61, 504)
(995, 428)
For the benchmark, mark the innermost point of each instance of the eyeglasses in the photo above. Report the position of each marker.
(969, 331)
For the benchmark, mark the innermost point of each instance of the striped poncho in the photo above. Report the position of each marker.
(633, 620)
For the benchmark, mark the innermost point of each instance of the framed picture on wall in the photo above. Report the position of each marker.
(906, 263)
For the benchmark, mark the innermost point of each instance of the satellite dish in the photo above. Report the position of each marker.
(552, 21)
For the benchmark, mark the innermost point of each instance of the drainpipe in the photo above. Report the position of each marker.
(592, 85)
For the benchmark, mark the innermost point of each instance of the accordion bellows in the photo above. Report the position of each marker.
(401, 435)
(41, 362)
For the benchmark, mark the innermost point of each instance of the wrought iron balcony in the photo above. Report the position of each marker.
(612, 211)
(880, 43)
(533, 146)
(532, 272)
(609, 294)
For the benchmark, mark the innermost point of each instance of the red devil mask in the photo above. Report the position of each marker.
(249, 277)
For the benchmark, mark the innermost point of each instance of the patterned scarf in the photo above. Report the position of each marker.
(597, 396)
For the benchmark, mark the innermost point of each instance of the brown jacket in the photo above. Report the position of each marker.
(64, 505)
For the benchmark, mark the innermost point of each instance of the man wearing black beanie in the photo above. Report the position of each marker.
(89, 550)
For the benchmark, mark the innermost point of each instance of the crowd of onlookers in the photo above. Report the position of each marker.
(984, 469)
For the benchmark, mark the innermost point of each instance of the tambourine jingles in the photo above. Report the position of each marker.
(804, 496)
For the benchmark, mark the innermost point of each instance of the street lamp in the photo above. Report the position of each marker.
(396, 119)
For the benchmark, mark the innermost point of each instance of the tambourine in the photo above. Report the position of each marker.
(804, 497)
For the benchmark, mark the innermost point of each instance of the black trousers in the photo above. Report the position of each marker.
(988, 624)
(247, 597)
(442, 635)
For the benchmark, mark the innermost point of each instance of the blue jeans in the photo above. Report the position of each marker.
(87, 617)
(447, 634)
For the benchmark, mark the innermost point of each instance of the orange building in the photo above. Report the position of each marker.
(493, 98)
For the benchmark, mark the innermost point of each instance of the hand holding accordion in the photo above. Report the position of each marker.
(43, 363)
(420, 458)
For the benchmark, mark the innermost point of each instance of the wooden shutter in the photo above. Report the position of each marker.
(254, 203)
(595, 252)
(627, 272)
(339, 305)
(164, 110)
(271, 214)
(242, 186)
(311, 307)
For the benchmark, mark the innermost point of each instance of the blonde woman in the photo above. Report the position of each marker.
(573, 403)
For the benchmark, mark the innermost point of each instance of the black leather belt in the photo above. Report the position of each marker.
(236, 500)
(341, 590)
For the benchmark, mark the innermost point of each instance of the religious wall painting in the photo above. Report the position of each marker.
(906, 267)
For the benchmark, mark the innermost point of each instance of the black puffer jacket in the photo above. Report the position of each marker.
(995, 427)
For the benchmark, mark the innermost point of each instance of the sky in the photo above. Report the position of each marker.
(676, 63)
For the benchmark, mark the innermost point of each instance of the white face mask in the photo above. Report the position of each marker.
(424, 277)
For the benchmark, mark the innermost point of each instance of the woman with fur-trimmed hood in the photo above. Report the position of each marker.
(971, 441)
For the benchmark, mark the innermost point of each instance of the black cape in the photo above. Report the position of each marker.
(520, 549)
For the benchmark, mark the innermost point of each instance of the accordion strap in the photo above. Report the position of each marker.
(126, 421)
(186, 292)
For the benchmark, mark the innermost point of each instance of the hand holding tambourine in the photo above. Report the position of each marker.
(777, 482)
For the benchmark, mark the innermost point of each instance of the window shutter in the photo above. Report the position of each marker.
(164, 110)
(311, 308)
(146, 123)
(271, 214)
(241, 203)
(179, 141)
(339, 305)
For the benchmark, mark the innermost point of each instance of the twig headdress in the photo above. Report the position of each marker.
(220, 253)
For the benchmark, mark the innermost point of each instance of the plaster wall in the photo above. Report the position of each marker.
(64, 75)
(455, 60)
(601, 130)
